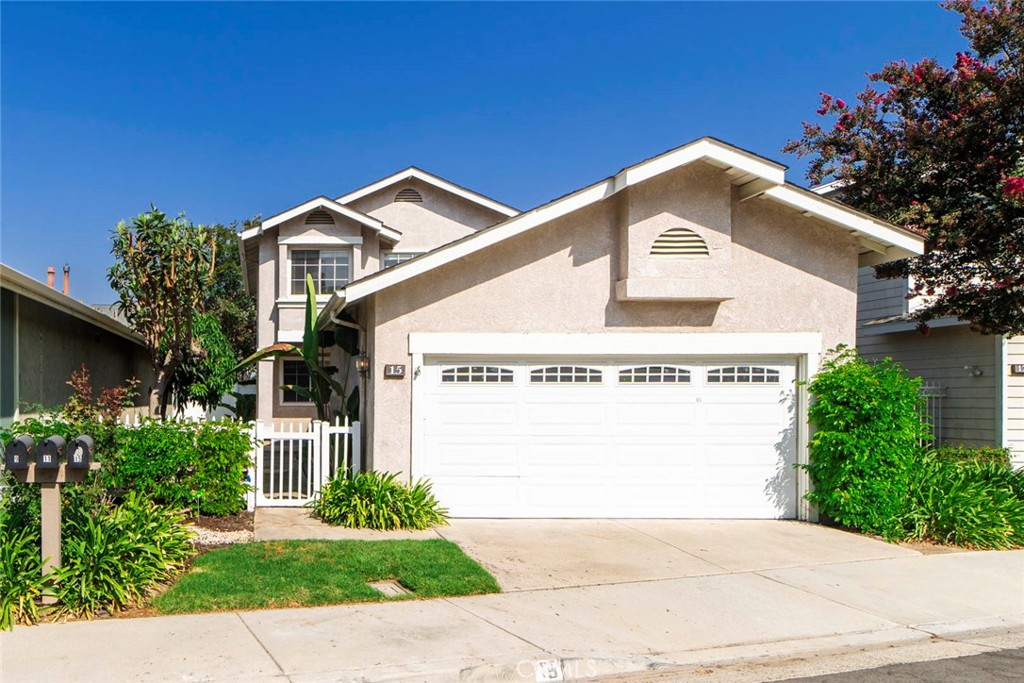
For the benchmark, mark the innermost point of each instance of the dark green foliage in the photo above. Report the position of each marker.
(185, 464)
(207, 371)
(981, 454)
(968, 502)
(227, 299)
(306, 573)
(867, 437)
(378, 500)
(114, 555)
(21, 580)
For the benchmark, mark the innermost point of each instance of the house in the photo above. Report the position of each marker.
(631, 349)
(973, 383)
(45, 335)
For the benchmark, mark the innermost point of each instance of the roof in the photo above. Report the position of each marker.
(25, 286)
(754, 175)
(321, 202)
(419, 174)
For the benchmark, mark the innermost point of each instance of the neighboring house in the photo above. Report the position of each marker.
(627, 350)
(46, 335)
(974, 382)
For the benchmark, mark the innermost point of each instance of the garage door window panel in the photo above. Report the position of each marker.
(654, 374)
(477, 374)
(565, 374)
(743, 374)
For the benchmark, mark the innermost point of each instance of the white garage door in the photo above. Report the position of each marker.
(509, 438)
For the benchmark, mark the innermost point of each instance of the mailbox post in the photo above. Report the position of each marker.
(49, 470)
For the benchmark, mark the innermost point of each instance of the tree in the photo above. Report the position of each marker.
(207, 371)
(940, 151)
(162, 270)
(227, 299)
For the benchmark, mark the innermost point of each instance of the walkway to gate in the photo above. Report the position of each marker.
(294, 460)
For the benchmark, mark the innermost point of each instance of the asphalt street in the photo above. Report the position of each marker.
(992, 667)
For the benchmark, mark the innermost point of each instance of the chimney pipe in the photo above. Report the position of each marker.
(49, 276)
(67, 278)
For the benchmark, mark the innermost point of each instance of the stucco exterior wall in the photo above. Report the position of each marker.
(792, 274)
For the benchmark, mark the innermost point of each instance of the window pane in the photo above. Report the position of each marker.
(294, 373)
(334, 270)
(303, 261)
(394, 258)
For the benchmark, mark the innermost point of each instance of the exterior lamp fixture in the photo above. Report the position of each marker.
(363, 363)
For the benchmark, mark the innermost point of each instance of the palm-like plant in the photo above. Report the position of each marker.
(322, 385)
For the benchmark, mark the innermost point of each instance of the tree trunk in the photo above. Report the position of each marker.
(158, 395)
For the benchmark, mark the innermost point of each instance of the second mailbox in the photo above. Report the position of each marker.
(49, 452)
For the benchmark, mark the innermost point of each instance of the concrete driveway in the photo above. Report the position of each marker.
(539, 554)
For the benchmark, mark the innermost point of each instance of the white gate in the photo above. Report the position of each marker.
(292, 461)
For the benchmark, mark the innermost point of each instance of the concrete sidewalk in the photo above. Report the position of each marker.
(732, 623)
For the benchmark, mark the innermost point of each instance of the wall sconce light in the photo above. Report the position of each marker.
(974, 370)
(363, 363)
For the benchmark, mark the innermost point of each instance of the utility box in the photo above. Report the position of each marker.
(49, 453)
(79, 452)
(18, 451)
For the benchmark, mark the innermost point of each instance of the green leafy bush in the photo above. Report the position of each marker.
(989, 454)
(971, 503)
(21, 580)
(114, 555)
(378, 500)
(185, 464)
(867, 437)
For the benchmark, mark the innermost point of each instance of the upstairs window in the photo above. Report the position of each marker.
(679, 243)
(393, 258)
(408, 195)
(330, 268)
(294, 373)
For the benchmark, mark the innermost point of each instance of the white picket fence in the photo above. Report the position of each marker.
(294, 460)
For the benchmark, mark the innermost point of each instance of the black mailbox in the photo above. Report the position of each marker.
(79, 452)
(49, 452)
(16, 454)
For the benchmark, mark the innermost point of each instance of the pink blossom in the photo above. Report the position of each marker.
(841, 104)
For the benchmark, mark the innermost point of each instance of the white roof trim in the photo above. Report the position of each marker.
(430, 179)
(741, 165)
(325, 203)
(23, 285)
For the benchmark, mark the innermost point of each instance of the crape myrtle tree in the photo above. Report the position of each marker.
(162, 270)
(939, 150)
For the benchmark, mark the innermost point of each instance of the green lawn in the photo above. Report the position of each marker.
(307, 573)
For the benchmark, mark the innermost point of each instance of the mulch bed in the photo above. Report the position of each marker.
(241, 521)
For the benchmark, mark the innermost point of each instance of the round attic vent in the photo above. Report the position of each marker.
(679, 243)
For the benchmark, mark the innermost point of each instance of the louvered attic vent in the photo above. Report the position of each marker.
(679, 243)
(408, 195)
(319, 217)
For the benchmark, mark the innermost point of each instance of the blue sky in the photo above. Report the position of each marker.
(228, 110)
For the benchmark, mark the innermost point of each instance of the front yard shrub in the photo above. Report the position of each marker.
(967, 502)
(988, 454)
(113, 555)
(378, 500)
(21, 580)
(867, 437)
(185, 464)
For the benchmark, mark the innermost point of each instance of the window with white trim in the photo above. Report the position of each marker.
(565, 374)
(294, 373)
(330, 268)
(476, 374)
(654, 374)
(743, 374)
(393, 258)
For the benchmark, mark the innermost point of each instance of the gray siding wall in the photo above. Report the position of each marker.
(879, 298)
(1014, 410)
(970, 409)
(52, 344)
